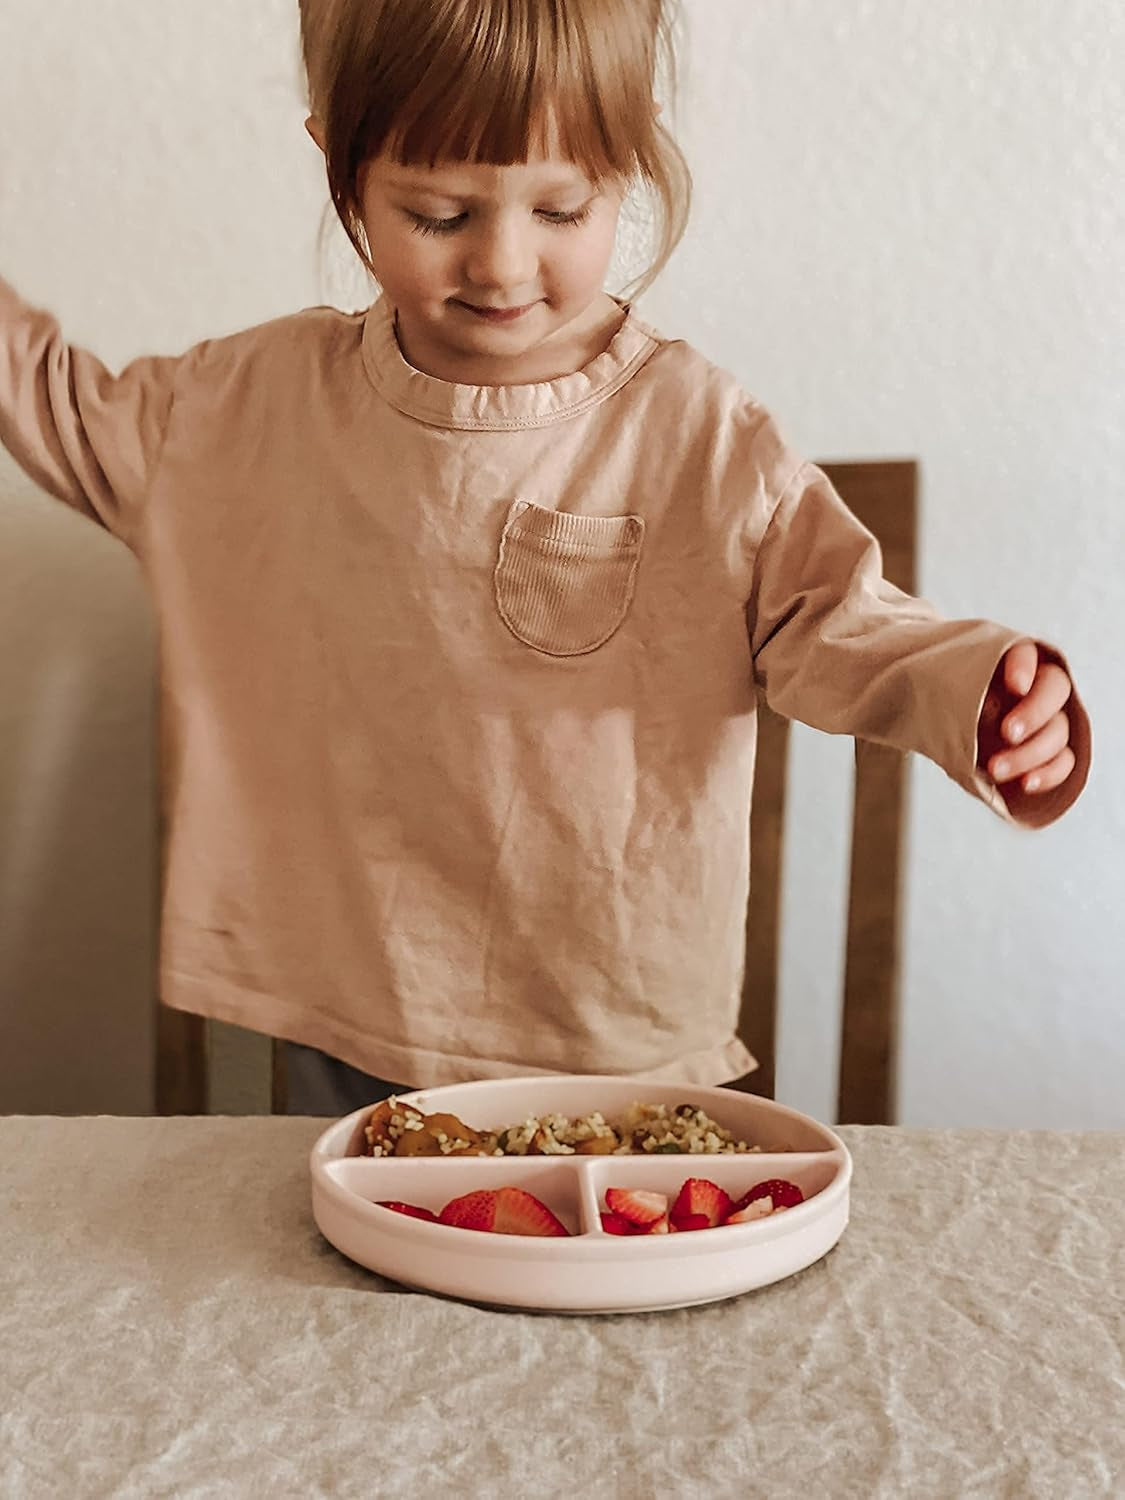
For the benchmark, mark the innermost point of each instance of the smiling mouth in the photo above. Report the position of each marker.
(497, 314)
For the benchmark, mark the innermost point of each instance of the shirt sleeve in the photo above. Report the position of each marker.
(841, 649)
(89, 437)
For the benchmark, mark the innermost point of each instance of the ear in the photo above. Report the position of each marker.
(316, 130)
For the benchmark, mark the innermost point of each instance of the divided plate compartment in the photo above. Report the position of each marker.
(590, 1271)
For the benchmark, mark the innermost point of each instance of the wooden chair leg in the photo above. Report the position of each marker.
(181, 1063)
(871, 975)
(279, 1079)
(758, 1018)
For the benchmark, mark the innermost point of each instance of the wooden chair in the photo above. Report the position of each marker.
(183, 1070)
(884, 497)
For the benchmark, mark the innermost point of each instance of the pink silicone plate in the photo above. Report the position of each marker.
(591, 1271)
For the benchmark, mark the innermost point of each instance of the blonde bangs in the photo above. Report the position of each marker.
(497, 82)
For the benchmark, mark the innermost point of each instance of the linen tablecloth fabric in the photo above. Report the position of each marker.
(173, 1324)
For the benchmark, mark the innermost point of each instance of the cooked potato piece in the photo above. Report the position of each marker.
(377, 1129)
(597, 1145)
(417, 1143)
(452, 1127)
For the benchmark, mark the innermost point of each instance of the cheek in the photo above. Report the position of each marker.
(406, 264)
(589, 255)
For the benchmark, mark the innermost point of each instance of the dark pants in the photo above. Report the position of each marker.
(321, 1085)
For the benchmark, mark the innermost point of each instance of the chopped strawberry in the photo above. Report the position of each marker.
(760, 1208)
(408, 1208)
(506, 1210)
(702, 1200)
(614, 1224)
(617, 1224)
(691, 1221)
(784, 1194)
(637, 1206)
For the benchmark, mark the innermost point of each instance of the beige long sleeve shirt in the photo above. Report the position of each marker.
(458, 683)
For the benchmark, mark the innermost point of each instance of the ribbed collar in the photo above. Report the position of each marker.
(499, 407)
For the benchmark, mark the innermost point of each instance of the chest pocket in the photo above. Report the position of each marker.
(564, 583)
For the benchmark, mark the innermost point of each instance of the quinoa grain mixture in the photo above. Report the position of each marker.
(397, 1129)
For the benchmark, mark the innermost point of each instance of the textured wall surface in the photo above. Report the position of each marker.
(908, 239)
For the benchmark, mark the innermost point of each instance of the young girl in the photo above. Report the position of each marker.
(464, 601)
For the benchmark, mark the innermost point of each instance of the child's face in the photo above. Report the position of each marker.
(496, 272)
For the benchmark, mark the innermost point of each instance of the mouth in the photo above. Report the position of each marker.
(497, 314)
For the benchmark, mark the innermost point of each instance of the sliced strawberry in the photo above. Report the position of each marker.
(784, 1194)
(408, 1208)
(691, 1221)
(614, 1224)
(760, 1208)
(617, 1224)
(702, 1200)
(506, 1210)
(637, 1206)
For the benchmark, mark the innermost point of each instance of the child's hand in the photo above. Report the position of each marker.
(1023, 738)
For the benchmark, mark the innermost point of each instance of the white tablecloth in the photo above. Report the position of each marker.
(172, 1324)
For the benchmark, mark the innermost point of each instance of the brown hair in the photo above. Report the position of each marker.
(482, 80)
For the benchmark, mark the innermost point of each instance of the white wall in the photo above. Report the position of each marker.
(908, 240)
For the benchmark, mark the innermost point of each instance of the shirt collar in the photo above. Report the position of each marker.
(441, 403)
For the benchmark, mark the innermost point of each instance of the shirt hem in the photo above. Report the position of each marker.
(418, 1067)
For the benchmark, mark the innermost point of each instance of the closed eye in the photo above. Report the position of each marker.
(577, 216)
(424, 224)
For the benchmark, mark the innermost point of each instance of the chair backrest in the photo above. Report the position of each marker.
(884, 497)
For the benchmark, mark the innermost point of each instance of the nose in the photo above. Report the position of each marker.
(502, 255)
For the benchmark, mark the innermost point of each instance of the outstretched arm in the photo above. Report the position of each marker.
(838, 647)
(85, 435)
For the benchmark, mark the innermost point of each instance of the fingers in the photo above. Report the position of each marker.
(1049, 692)
(1039, 757)
(1020, 665)
(1024, 745)
(1053, 774)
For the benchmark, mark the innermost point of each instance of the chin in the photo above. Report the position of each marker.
(507, 341)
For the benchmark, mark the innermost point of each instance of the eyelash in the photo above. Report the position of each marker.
(423, 225)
